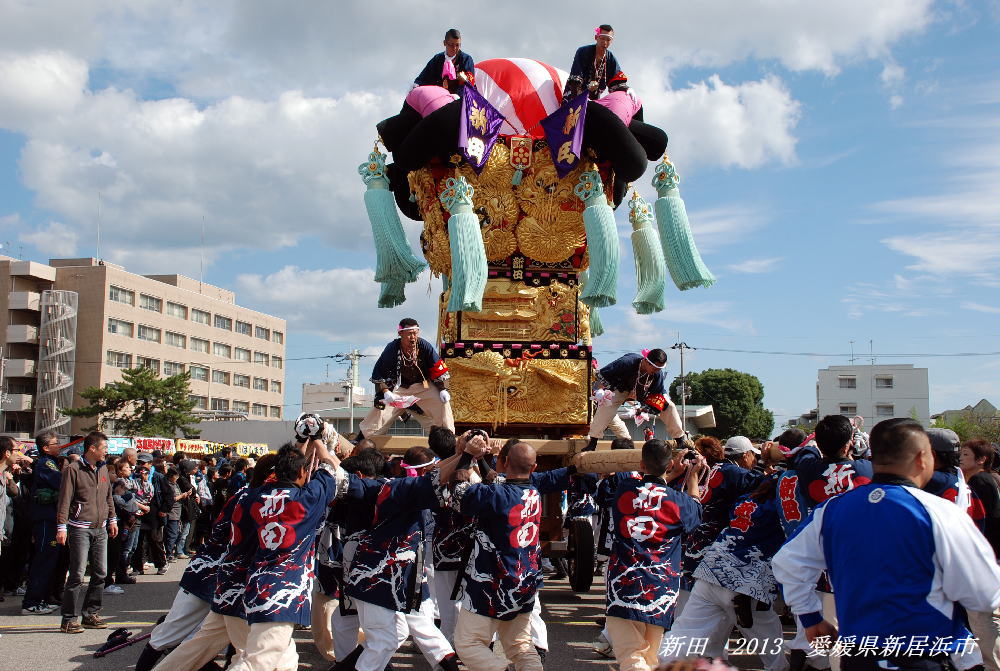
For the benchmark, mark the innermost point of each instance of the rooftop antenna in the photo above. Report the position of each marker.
(201, 271)
(98, 225)
(852, 359)
(871, 350)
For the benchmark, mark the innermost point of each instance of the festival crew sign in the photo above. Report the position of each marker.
(564, 133)
(480, 127)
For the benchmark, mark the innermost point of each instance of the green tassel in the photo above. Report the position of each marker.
(516, 179)
(650, 269)
(413, 197)
(468, 256)
(683, 260)
(596, 326)
(391, 295)
(394, 260)
(602, 242)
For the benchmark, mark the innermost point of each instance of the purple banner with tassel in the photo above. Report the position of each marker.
(479, 129)
(564, 133)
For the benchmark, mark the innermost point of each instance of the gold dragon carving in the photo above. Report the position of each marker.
(502, 391)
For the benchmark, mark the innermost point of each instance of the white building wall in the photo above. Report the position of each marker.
(871, 396)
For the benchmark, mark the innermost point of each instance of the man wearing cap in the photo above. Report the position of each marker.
(408, 374)
(44, 493)
(947, 480)
(902, 562)
(633, 376)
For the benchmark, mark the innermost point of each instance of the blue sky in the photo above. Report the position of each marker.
(839, 164)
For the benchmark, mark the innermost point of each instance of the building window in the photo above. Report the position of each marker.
(223, 323)
(200, 402)
(219, 349)
(149, 333)
(276, 411)
(109, 426)
(262, 333)
(260, 384)
(119, 359)
(220, 377)
(220, 404)
(119, 295)
(200, 316)
(199, 345)
(885, 411)
(119, 327)
(848, 409)
(177, 310)
(883, 382)
(276, 362)
(242, 354)
(150, 303)
(241, 406)
(259, 410)
(278, 337)
(171, 368)
(241, 381)
(175, 339)
(243, 328)
(146, 362)
(848, 382)
(276, 386)
(261, 358)
(198, 373)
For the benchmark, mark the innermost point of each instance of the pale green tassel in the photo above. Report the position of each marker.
(602, 242)
(391, 295)
(596, 327)
(468, 256)
(516, 179)
(650, 269)
(683, 260)
(394, 261)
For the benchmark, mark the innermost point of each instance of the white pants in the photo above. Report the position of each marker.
(345, 633)
(436, 413)
(709, 614)
(185, 616)
(386, 630)
(539, 632)
(442, 587)
(269, 647)
(986, 628)
(682, 598)
(606, 417)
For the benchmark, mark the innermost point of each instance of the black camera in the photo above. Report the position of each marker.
(690, 455)
(479, 432)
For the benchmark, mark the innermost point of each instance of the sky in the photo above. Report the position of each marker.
(839, 164)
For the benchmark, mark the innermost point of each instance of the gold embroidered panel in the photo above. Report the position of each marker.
(513, 311)
(488, 388)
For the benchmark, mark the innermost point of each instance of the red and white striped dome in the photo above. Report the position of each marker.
(524, 90)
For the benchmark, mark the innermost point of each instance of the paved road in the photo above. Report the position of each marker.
(34, 642)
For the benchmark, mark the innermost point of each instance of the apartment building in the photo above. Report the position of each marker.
(169, 323)
(875, 392)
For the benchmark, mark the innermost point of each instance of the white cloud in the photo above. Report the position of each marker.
(39, 84)
(57, 238)
(979, 307)
(743, 125)
(339, 304)
(717, 227)
(755, 266)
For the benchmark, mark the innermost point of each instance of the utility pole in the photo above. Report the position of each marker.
(684, 389)
(353, 357)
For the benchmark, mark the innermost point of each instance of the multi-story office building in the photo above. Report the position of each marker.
(874, 392)
(169, 323)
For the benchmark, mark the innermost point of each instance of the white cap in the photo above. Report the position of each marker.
(740, 445)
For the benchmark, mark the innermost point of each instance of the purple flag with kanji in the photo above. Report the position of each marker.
(564, 133)
(479, 128)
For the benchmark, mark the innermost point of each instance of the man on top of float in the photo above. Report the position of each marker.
(633, 376)
(409, 375)
(595, 68)
(452, 68)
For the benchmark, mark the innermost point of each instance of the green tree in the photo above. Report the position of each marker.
(142, 404)
(736, 397)
(970, 425)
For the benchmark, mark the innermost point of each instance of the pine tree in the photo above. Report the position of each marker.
(142, 404)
